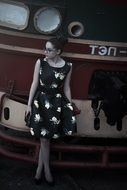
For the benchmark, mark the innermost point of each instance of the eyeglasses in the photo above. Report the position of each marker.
(49, 50)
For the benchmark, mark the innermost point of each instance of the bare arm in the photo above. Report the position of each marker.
(34, 84)
(67, 90)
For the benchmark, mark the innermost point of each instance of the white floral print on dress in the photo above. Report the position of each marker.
(58, 95)
(43, 132)
(41, 83)
(62, 76)
(54, 85)
(56, 74)
(59, 109)
(31, 131)
(47, 104)
(55, 136)
(36, 103)
(69, 132)
(40, 71)
(70, 64)
(55, 120)
(69, 105)
(59, 75)
(73, 120)
(37, 118)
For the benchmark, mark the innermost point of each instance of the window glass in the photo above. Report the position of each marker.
(47, 20)
(13, 15)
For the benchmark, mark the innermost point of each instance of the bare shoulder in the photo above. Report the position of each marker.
(38, 62)
(37, 65)
(70, 66)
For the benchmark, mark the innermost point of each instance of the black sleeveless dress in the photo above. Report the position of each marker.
(52, 113)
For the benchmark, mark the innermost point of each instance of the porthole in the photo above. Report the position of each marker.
(47, 20)
(14, 15)
(6, 113)
(75, 29)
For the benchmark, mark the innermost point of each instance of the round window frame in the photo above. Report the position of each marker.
(36, 16)
(73, 24)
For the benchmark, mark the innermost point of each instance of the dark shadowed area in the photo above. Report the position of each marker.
(18, 175)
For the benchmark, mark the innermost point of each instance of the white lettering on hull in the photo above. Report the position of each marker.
(103, 50)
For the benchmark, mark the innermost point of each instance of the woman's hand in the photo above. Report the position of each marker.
(27, 115)
(28, 111)
(76, 110)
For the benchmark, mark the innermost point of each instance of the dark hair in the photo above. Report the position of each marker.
(58, 42)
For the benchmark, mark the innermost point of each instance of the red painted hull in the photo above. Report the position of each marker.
(18, 55)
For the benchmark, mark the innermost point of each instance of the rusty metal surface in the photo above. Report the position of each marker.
(65, 154)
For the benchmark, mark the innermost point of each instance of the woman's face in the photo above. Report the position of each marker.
(50, 51)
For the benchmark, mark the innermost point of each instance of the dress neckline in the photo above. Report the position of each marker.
(55, 67)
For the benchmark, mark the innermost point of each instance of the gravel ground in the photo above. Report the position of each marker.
(18, 175)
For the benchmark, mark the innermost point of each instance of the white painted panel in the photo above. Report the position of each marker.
(85, 123)
(17, 113)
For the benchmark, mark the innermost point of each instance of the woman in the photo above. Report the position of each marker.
(49, 104)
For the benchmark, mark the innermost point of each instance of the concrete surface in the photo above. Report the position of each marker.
(18, 175)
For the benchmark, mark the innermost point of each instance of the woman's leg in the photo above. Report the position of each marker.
(40, 165)
(44, 156)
